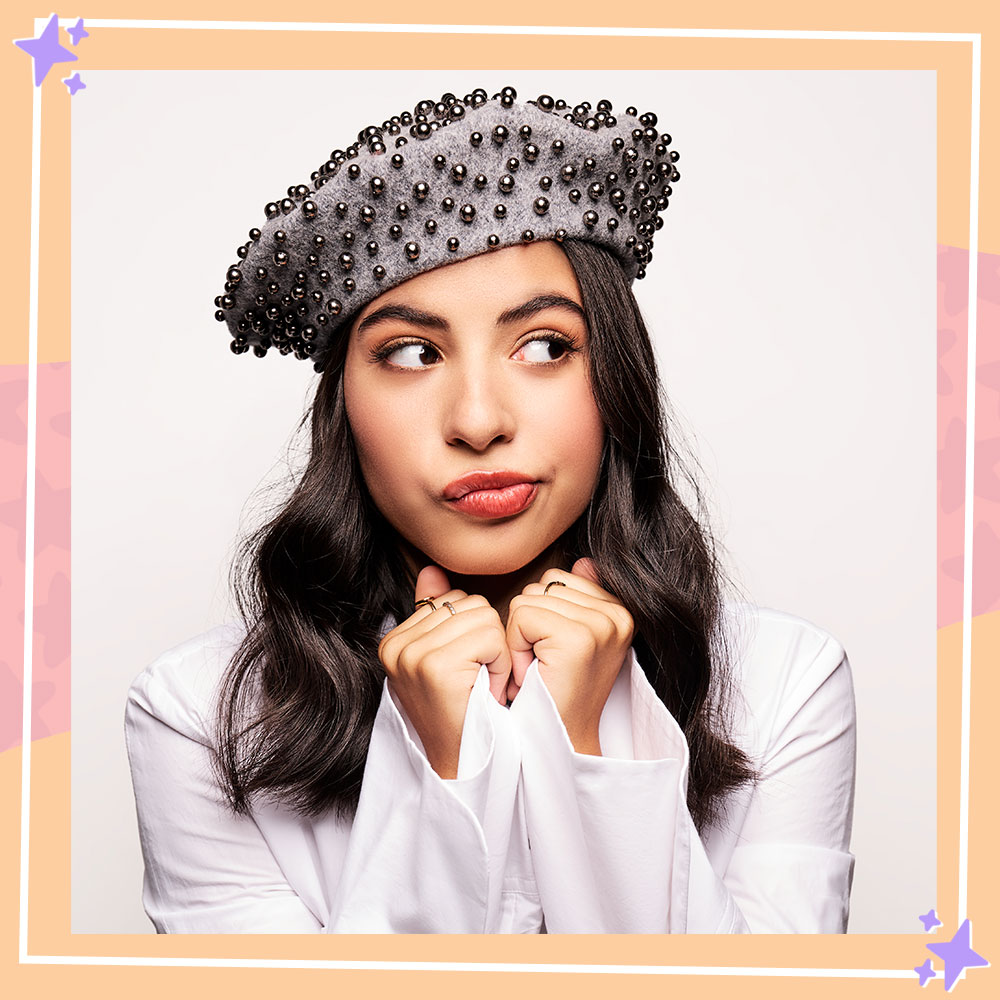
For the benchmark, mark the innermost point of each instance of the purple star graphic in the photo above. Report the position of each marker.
(930, 921)
(958, 955)
(925, 971)
(45, 49)
(74, 83)
(78, 32)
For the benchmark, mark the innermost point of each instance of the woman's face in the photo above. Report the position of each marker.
(477, 367)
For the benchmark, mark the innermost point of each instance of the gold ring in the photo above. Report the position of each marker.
(447, 604)
(553, 583)
(426, 600)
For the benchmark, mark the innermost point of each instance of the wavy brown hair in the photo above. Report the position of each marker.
(314, 584)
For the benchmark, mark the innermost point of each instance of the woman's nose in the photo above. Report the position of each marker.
(478, 407)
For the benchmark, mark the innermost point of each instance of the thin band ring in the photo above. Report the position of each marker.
(448, 605)
(552, 583)
(426, 600)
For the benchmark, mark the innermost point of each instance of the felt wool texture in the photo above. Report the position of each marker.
(454, 179)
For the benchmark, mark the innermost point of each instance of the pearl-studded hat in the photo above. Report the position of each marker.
(450, 180)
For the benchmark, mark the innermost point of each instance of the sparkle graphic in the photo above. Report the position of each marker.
(45, 49)
(74, 83)
(930, 921)
(78, 32)
(926, 972)
(958, 955)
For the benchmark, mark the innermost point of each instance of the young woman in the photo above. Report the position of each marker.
(485, 679)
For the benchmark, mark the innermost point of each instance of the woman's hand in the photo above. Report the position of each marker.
(432, 660)
(580, 634)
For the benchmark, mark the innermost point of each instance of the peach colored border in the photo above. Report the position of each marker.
(49, 876)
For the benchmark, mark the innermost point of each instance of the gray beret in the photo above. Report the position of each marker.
(453, 179)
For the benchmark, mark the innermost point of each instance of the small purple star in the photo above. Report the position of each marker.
(78, 32)
(45, 49)
(958, 955)
(930, 921)
(926, 972)
(74, 83)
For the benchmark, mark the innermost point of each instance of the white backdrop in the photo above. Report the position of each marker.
(792, 302)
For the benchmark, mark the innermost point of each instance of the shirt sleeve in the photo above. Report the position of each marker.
(613, 844)
(422, 854)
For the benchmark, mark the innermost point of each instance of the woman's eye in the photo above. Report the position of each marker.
(544, 349)
(410, 355)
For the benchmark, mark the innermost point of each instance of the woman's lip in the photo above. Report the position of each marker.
(497, 503)
(474, 481)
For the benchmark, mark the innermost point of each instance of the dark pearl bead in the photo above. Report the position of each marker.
(590, 219)
(631, 111)
(524, 132)
(481, 181)
(476, 139)
(298, 292)
(342, 209)
(254, 234)
(412, 251)
(595, 190)
(281, 258)
(401, 141)
(493, 240)
(507, 96)
(431, 226)
(280, 236)
(448, 204)
(218, 300)
(452, 244)
(234, 274)
(545, 183)
(605, 105)
(316, 295)
(456, 111)
(271, 210)
(227, 302)
(421, 190)
(527, 236)
(500, 134)
(368, 215)
(458, 172)
(440, 162)
(612, 224)
(372, 248)
(560, 235)
(545, 102)
(259, 350)
(675, 176)
(242, 252)
(319, 240)
(312, 260)
(378, 272)
(347, 237)
(500, 211)
(506, 184)
(333, 307)
(324, 276)
(272, 312)
(272, 287)
(467, 213)
(376, 185)
(238, 348)
(531, 152)
(220, 315)
(309, 209)
(346, 261)
(574, 195)
(395, 232)
(402, 210)
(617, 144)
(541, 206)
(589, 165)
(349, 285)
(513, 163)
(558, 146)
(617, 196)
(567, 172)
(309, 332)
(354, 171)
(397, 160)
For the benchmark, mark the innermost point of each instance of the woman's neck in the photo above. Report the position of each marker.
(498, 589)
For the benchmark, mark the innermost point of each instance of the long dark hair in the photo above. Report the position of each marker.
(315, 583)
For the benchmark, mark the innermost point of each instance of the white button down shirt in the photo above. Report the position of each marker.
(531, 836)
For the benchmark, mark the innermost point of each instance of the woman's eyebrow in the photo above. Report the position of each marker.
(406, 313)
(536, 305)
